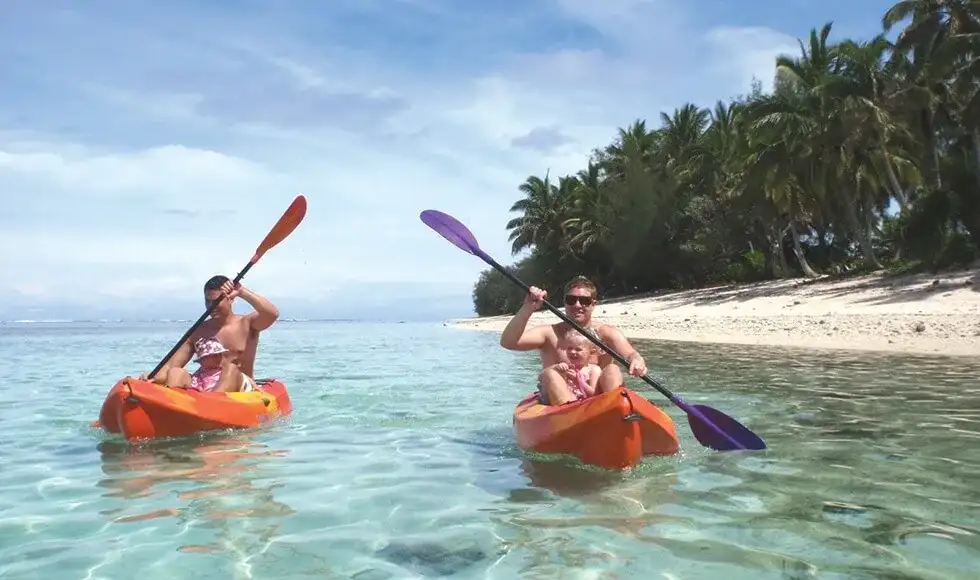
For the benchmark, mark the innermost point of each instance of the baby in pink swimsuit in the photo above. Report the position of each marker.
(581, 375)
(209, 355)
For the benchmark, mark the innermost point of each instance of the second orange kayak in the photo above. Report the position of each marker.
(139, 409)
(614, 430)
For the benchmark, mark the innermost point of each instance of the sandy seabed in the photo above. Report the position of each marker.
(934, 314)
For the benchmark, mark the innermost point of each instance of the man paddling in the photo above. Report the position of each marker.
(580, 300)
(238, 334)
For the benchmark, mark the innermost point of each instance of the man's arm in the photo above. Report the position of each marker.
(619, 343)
(178, 360)
(516, 335)
(265, 313)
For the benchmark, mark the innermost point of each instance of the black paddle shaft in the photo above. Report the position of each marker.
(575, 325)
(197, 324)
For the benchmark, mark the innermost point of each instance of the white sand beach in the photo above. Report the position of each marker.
(917, 314)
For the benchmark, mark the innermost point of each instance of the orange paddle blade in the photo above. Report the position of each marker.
(291, 218)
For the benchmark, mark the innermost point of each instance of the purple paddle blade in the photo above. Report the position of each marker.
(738, 435)
(450, 228)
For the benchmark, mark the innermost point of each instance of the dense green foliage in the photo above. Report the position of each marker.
(798, 181)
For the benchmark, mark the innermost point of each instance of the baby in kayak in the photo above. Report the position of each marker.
(210, 355)
(581, 374)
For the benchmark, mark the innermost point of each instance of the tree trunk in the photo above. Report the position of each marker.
(867, 248)
(975, 135)
(824, 244)
(969, 201)
(850, 207)
(928, 130)
(897, 190)
(774, 252)
(783, 264)
(871, 223)
(798, 250)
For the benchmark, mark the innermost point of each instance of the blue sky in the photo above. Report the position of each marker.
(145, 146)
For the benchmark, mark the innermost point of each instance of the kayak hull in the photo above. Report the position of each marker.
(614, 430)
(140, 410)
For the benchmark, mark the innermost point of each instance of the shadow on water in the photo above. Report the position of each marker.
(494, 454)
(432, 558)
(527, 477)
(565, 477)
(528, 488)
(216, 479)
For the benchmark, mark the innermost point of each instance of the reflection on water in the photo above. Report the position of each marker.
(618, 501)
(207, 481)
(406, 467)
(566, 477)
(871, 472)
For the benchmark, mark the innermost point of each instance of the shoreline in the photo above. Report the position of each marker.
(918, 314)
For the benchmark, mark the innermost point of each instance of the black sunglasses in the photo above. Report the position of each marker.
(583, 300)
(213, 301)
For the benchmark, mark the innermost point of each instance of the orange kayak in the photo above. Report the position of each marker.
(614, 430)
(143, 410)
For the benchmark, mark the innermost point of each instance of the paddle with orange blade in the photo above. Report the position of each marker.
(291, 218)
(711, 427)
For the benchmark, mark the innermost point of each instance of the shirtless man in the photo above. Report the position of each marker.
(580, 299)
(238, 334)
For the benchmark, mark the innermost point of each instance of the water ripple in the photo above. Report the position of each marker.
(399, 462)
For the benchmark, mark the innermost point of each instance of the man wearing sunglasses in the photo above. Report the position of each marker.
(239, 334)
(580, 300)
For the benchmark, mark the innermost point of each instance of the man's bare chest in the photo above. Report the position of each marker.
(233, 336)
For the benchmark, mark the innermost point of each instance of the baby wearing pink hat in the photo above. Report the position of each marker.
(209, 351)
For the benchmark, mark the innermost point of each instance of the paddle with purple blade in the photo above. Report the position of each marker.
(711, 427)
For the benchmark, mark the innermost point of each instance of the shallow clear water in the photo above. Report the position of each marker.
(399, 462)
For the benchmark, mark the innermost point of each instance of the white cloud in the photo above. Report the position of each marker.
(175, 164)
(172, 172)
(750, 53)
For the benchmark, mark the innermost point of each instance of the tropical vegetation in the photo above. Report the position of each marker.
(864, 156)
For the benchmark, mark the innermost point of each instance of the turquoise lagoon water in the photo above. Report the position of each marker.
(399, 462)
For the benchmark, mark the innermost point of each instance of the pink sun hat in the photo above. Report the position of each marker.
(207, 347)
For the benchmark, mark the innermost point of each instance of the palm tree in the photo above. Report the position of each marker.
(939, 50)
(542, 210)
(865, 91)
(806, 172)
(587, 225)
